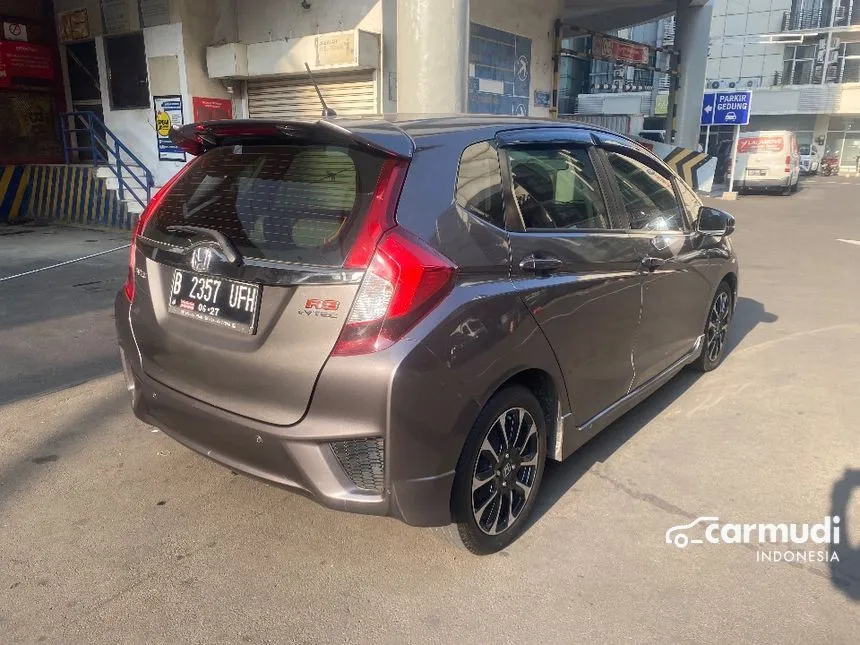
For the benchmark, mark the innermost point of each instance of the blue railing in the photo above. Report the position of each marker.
(104, 148)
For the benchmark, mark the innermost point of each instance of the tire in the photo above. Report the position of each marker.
(496, 524)
(718, 322)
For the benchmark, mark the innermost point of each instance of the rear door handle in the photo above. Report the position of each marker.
(651, 263)
(540, 264)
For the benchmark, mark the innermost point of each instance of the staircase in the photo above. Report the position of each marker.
(134, 197)
(87, 140)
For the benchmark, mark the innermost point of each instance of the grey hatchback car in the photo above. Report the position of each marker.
(408, 317)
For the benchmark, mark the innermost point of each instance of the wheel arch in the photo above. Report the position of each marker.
(551, 395)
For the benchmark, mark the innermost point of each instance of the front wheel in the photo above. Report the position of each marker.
(716, 330)
(499, 472)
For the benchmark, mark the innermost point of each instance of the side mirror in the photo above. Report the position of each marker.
(715, 222)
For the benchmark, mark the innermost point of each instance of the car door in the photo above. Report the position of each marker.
(575, 268)
(675, 277)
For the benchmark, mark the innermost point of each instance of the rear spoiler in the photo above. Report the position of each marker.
(374, 136)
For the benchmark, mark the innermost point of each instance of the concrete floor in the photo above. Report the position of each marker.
(110, 532)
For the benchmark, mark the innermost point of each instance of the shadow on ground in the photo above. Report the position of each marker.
(561, 477)
(845, 574)
(748, 315)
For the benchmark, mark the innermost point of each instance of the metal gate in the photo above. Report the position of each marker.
(296, 98)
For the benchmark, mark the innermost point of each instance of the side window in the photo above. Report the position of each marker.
(557, 188)
(691, 201)
(479, 183)
(648, 196)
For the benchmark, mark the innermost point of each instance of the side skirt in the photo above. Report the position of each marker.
(573, 437)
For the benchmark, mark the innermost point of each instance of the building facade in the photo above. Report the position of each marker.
(131, 69)
(802, 60)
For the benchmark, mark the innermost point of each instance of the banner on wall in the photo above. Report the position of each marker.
(24, 60)
(206, 109)
(612, 49)
(168, 115)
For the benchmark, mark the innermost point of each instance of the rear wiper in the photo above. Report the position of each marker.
(230, 252)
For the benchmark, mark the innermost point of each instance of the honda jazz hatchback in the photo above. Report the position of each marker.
(409, 317)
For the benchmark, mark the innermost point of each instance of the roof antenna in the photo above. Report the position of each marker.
(327, 112)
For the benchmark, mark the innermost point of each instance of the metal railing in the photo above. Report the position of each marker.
(103, 147)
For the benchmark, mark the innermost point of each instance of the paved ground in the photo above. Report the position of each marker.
(112, 533)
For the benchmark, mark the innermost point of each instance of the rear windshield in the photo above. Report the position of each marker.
(288, 203)
(760, 144)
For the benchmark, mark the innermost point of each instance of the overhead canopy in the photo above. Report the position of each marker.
(617, 14)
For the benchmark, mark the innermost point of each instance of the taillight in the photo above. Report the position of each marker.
(142, 221)
(380, 213)
(403, 283)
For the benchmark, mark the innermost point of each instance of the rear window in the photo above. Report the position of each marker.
(760, 145)
(288, 203)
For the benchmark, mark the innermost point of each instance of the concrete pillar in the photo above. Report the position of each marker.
(432, 55)
(692, 36)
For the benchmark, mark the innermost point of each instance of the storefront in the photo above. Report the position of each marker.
(30, 86)
(843, 140)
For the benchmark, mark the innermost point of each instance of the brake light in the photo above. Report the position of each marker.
(403, 283)
(380, 214)
(142, 221)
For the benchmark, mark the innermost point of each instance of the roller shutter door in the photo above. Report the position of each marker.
(295, 98)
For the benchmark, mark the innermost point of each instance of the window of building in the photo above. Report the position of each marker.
(648, 195)
(479, 183)
(557, 188)
(798, 64)
(126, 68)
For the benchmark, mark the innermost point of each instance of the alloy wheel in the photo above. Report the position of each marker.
(718, 325)
(505, 471)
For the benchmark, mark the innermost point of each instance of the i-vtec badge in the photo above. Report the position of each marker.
(320, 308)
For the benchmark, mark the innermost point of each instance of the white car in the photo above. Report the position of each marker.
(809, 161)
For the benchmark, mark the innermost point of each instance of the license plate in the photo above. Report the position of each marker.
(216, 301)
(756, 172)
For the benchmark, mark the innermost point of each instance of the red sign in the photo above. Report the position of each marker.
(211, 109)
(24, 60)
(760, 144)
(606, 48)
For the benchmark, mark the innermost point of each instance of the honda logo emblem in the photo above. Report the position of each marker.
(202, 258)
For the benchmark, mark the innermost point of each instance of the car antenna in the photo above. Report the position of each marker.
(327, 112)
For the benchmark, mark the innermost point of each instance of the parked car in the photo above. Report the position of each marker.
(408, 318)
(767, 161)
(809, 162)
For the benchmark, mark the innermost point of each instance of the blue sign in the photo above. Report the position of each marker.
(726, 108)
(499, 71)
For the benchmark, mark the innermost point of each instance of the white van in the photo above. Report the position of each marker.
(767, 160)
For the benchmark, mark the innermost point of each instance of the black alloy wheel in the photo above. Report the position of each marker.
(499, 472)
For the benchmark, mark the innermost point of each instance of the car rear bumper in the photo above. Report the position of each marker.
(765, 182)
(309, 458)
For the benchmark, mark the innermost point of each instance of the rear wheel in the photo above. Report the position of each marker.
(499, 473)
(716, 330)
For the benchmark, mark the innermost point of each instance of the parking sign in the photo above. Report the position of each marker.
(726, 108)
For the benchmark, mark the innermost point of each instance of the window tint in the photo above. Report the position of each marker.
(479, 183)
(691, 201)
(557, 188)
(648, 196)
(277, 202)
